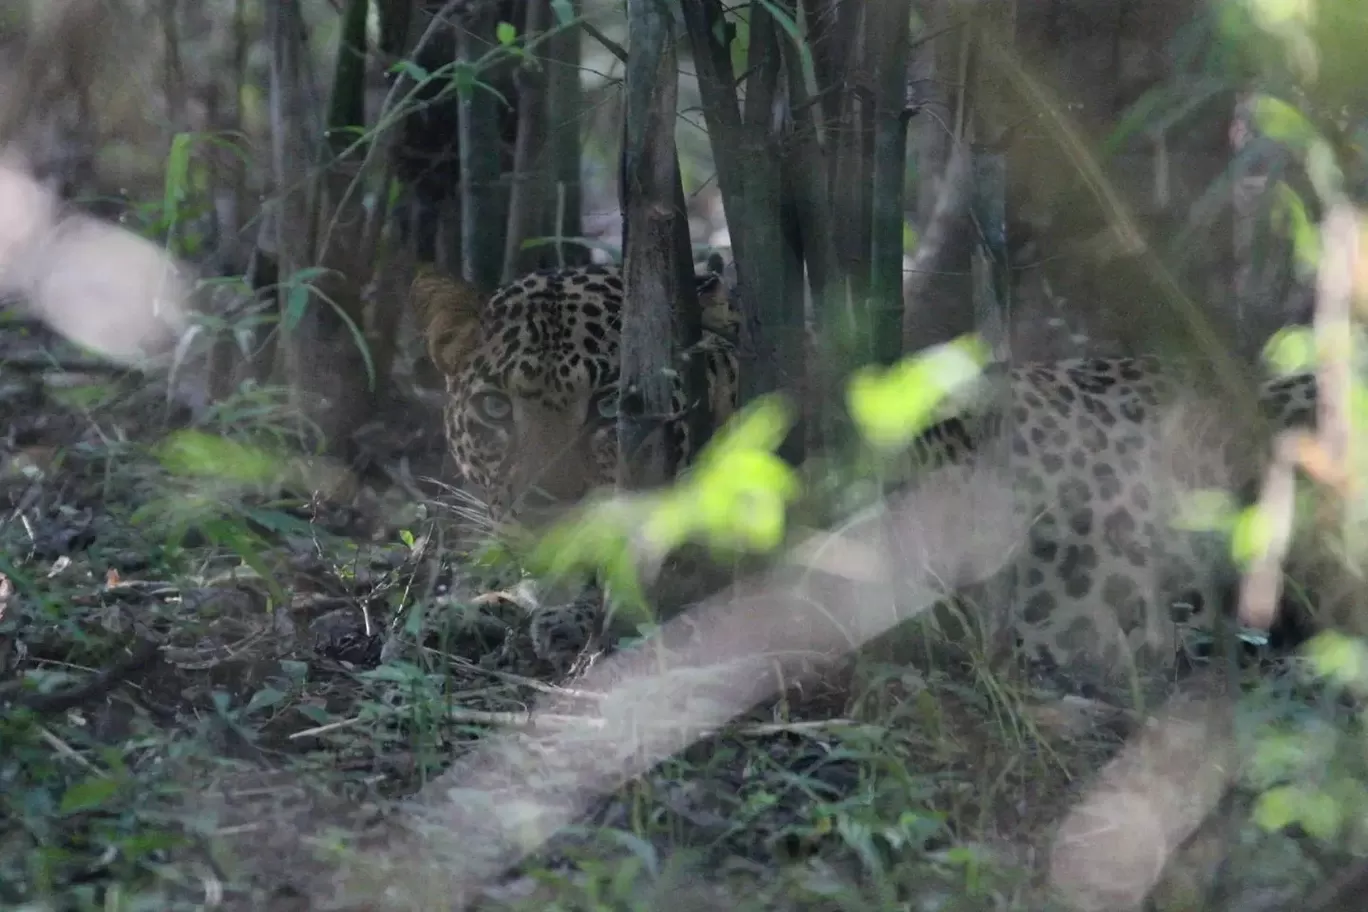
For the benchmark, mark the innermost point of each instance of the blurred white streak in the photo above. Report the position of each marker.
(99, 285)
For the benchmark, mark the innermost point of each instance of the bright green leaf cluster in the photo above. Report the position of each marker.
(1283, 123)
(583, 541)
(92, 794)
(1340, 658)
(197, 454)
(1289, 22)
(738, 491)
(1318, 812)
(1289, 214)
(1250, 536)
(1279, 756)
(910, 238)
(891, 406)
(596, 539)
(735, 497)
(1292, 350)
(1358, 408)
(1279, 14)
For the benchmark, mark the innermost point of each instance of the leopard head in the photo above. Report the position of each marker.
(532, 381)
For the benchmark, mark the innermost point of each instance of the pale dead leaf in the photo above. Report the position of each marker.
(101, 286)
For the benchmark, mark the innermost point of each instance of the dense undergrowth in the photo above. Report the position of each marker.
(211, 678)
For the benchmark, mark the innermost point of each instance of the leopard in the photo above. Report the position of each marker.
(1105, 455)
(532, 397)
(1103, 452)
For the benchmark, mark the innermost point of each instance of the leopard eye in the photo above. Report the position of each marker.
(493, 406)
(606, 406)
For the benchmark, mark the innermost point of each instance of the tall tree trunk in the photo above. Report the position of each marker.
(530, 190)
(565, 111)
(484, 203)
(652, 281)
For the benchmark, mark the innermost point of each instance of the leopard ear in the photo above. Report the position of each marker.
(715, 305)
(448, 313)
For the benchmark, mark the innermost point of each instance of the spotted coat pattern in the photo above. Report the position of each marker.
(1103, 455)
(532, 380)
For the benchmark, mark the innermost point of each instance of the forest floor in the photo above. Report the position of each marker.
(207, 676)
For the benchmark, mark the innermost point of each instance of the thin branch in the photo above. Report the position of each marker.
(143, 655)
(609, 44)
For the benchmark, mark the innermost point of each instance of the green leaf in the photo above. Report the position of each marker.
(463, 78)
(1358, 410)
(297, 299)
(295, 670)
(1292, 350)
(910, 238)
(1282, 122)
(143, 846)
(410, 69)
(620, 574)
(1278, 808)
(1323, 169)
(790, 26)
(197, 454)
(1321, 816)
(1289, 213)
(1277, 757)
(177, 179)
(1278, 15)
(674, 520)
(588, 539)
(892, 406)
(737, 494)
(739, 49)
(264, 698)
(1340, 658)
(1162, 109)
(565, 12)
(413, 624)
(506, 33)
(278, 521)
(89, 794)
(1250, 536)
(762, 425)
(248, 548)
(296, 302)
